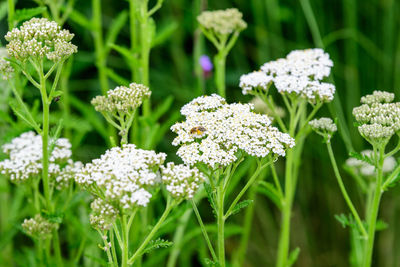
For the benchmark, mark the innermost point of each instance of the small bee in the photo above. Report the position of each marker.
(198, 130)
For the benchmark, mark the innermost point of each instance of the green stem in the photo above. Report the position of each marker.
(56, 247)
(145, 43)
(220, 61)
(284, 239)
(221, 224)
(125, 240)
(133, 34)
(150, 236)
(374, 209)
(45, 141)
(11, 10)
(344, 192)
(204, 231)
(106, 248)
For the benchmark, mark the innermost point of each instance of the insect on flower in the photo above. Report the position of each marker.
(198, 130)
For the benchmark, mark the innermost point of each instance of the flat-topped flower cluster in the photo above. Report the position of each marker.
(323, 126)
(299, 74)
(379, 119)
(39, 227)
(123, 177)
(40, 38)
(25, 160)
(214, 131)
(222, 22)
(122, 99)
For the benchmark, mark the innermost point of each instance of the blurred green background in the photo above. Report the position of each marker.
(363, 40)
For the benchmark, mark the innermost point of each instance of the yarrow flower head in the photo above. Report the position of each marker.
(25, 160)
(103, 214)
(40, 38)
(39, 227)
(324, 126)
(299, 74)
(6, 70)
(379, 119)
(214, 131)
(122, 99)
(222, 22)
(181, 180)
(123, 177)
(366, 169)
(255, 80)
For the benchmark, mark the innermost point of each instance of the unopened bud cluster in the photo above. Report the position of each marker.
(40, 38)
(6, 70)
(103, 214)
(379, 119)
(122, 99)
(25, 160)
(181, 180)
(222, 22)
(39, 227)
(323, 126)
(224, 130)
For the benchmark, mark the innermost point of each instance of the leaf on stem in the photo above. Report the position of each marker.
(241, 205)
(293, 257)
(362, 157)
(269, 190)
(210, 198)
(27, 13)
(156, 244)
(211, 263)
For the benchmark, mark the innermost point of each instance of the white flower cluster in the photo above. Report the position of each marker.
(122, 99)
(39, 38)
(378, 120)
(39, 227)
(214, 131)
(377, 97)
(6, 70)
(222, 22)
(299, 74)
(25, 160)
(103, 214)
(122, 176)
(255, 79)
(181, 180)
(366, 169)
(323, 125)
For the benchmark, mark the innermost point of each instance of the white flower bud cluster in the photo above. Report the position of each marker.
(122, 176)
(6, 70)
(40, 38)
(222, 22)
(379, 119)
(323, 125)
(39, 227)
(377, 97)
(255, 79)
(103, 214)
(366, 169)
(181, 180)
(25, 160)
(122, 99)
(299, 74)
(261, 107)
(225, 129)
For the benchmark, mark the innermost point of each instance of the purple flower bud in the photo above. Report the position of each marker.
(206, 63)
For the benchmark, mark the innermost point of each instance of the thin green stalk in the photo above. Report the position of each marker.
(45, 141)
(344, 192)
(374, 209)
(56, 248)
(221, 224)
(11, 11)
(106, 248)
(284, 239)
(150, 236)
(204, 231)
(133, 34)
(125, 240)
(220, 62)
